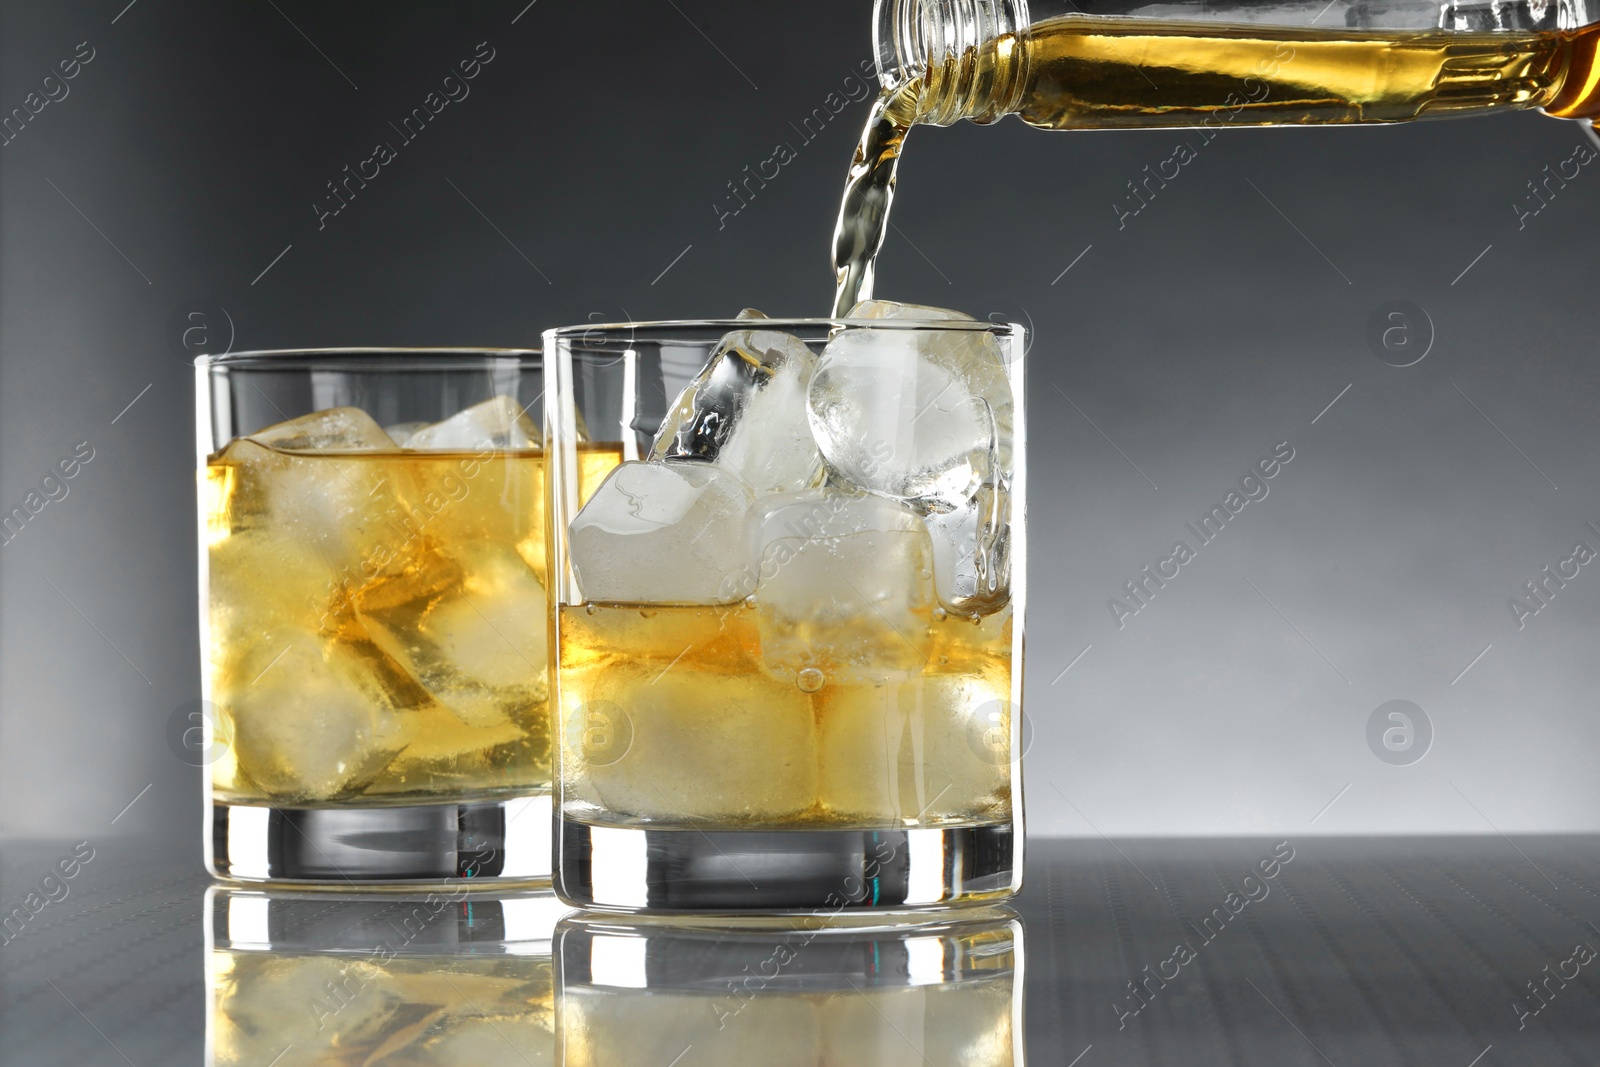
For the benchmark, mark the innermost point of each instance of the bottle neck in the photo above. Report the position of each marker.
(952, 59)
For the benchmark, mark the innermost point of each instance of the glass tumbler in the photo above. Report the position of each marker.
(373, 616)
(448, 978)
(788, 567)
(799, 991)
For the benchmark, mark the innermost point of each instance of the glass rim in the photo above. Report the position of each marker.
(405, 358)
(1003, 329)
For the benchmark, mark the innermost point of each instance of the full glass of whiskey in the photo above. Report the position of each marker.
(787, 570)
(445, 978)
(373, 616)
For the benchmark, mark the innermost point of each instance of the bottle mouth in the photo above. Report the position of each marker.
(916, 37)
(915, 34)
(899, 53)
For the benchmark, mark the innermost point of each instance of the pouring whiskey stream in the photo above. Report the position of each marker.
(1126, 64)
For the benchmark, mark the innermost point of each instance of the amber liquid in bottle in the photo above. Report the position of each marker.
(1082, 72)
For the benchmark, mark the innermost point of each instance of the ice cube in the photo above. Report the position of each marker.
(309, 721)
(918, 415)
(262, 996)
(500, 423)
(333, 430)
(914, 748)
(972, 553)
(474, 638)
(735, 746)
(746, 411)
(476, 1041)
(303, 527)
(401, 432)
(664, 533)
(360, 1009)
(968, 1022)
(747, 1024)
(890, 309)
(845, 587)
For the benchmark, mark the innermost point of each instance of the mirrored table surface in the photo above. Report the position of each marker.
(1475, 952)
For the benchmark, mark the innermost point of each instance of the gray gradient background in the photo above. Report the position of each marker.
(1189, 343)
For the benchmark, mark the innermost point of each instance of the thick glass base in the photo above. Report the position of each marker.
(495, 841)
(832, 871)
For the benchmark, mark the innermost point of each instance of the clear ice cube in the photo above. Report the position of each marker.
(484, 1036)
(946, 1023)
(266, 997)
(918, 415)
(890, 309)
(736, 746)
(312, 724)
(746, 411)
(323, 521)
(845, 587)
(774, 1028)
(972, 552)
(905, 748)
(333, 430)
(500, 423)
(664, 533)
(474, 637)
(401, 432)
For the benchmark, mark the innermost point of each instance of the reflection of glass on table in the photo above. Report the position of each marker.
(347, 980)
(803, 993)
(789, 621)
(373, 615)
